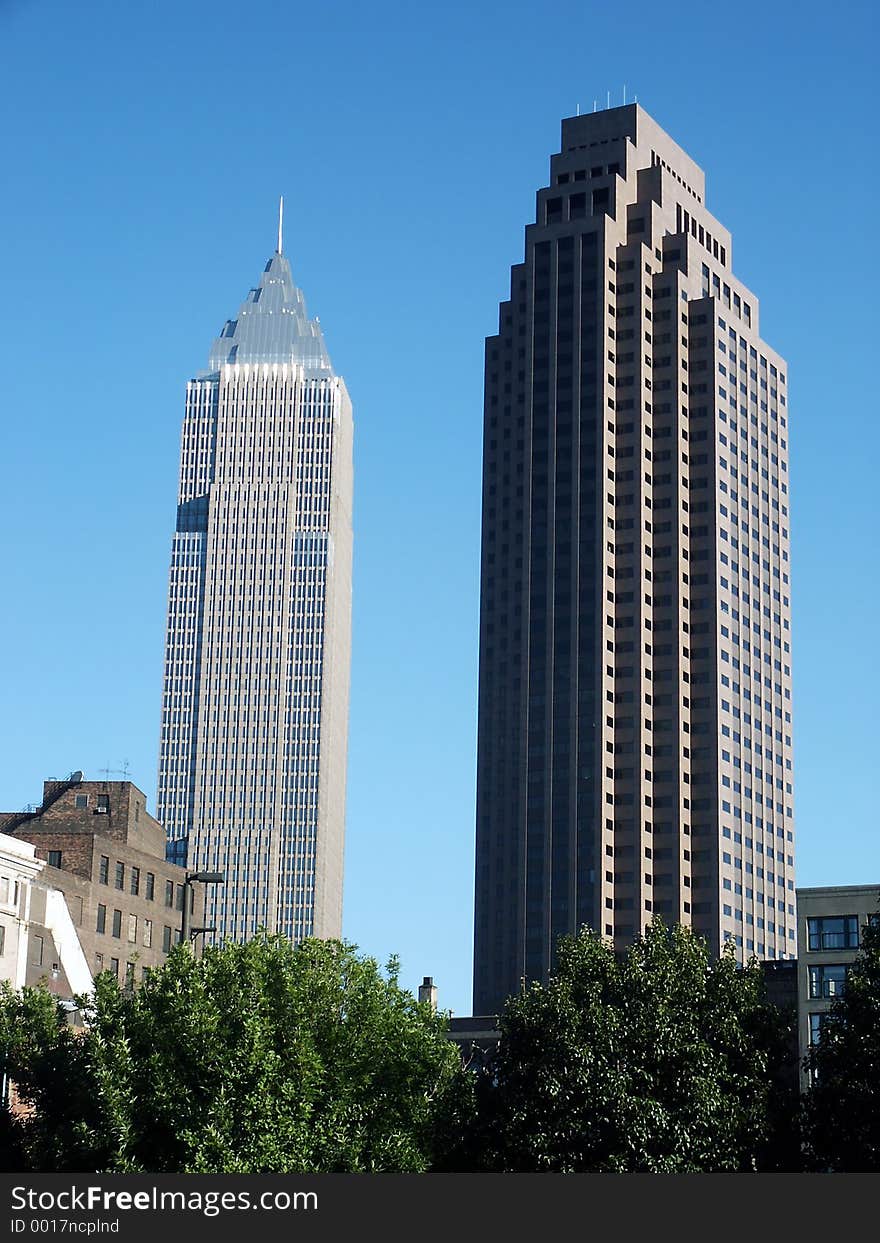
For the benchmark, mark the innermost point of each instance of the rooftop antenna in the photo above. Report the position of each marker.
(119, 772)
(280, 221)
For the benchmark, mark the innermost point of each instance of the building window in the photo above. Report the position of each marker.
(135, 877)
(129, 975)
(817, 1021)
(37, 950)
(101, 923)
(180, 897)
(99, 963)
(2, 939)
(827, 980)
(169, 893)
(833, 932)
(166, 939)
(54, 859)
(151, 886)
(102, 804)
(133, 928)
(117, 923)
(114, 966)
(81, 802)
(104, 870)
(120, 876)
(148, 933)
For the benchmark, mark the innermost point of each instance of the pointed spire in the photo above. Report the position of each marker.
(280, 222)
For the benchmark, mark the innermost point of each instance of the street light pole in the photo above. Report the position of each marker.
(204, 878)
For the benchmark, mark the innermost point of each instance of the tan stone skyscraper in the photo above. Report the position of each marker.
(252, 762)
(634, 744)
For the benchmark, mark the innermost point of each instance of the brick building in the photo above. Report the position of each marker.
(106, 854)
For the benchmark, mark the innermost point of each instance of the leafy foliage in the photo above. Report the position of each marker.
(842, 1107)
(660, 1059)
(256, 1058)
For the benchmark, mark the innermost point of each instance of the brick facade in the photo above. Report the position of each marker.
(106, 854)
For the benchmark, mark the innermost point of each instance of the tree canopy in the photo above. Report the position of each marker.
(659, 1059)
(842, 1107)
(261, 1057)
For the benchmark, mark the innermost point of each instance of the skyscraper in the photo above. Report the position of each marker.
(634, 738)
(255, 709)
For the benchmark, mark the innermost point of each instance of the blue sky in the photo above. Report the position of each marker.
(144, 150)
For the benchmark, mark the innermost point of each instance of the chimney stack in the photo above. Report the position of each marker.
(428, 992)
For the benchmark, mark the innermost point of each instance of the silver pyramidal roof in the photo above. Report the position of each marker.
(273, 326)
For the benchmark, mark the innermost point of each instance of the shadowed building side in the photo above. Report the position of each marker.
(634, 732)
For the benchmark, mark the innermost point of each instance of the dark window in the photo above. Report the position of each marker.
(117, 923)
(166, 939)
(129, 975)
(816, 1021)
(833, 932)
(102, 803)
(101, 924)
(54, 859)
(135, 877)
(114, 966)
(827, 980)
(81, 802)
(180, 897)
(151, 885)
(120, 876)
(169, 893)
(104, 870)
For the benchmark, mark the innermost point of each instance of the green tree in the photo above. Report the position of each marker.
(842, 1107)
(255, 1058)
(660, 1059)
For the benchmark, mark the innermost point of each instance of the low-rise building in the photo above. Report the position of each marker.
(106, 854)
(38, 941)
(830, 924)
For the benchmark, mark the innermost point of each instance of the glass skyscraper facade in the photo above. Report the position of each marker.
(252, 764)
